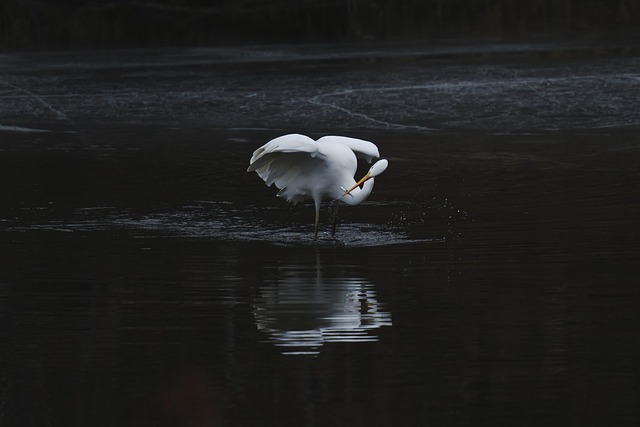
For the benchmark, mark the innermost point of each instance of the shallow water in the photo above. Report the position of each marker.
(490, 279)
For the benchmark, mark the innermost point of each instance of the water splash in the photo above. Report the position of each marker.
(207, 220)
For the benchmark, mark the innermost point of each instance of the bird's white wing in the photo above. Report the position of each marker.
(292, 143)
(283, 161)
(363, 149)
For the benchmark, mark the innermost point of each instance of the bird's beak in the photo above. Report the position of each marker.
(358, 184)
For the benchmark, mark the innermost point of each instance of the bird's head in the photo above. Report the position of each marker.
(377, 168)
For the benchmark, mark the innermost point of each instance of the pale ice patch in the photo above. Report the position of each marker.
(4, 128)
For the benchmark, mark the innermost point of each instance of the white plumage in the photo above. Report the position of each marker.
(303, 168)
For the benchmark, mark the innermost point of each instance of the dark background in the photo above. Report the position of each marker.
(140, 259)
(38, 25)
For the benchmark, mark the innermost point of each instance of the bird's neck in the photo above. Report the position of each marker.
(359, 195)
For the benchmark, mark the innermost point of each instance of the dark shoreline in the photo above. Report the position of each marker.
(84, 24)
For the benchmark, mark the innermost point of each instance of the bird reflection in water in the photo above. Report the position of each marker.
(306, 306)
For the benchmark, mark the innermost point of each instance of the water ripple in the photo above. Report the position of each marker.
(216, 221)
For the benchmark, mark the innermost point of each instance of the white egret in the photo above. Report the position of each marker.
(320, 170)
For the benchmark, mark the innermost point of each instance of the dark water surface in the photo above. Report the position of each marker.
(491, 278)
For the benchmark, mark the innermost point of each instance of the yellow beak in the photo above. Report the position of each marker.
(358, 184)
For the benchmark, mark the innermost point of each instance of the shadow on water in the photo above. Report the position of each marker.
(301, 307)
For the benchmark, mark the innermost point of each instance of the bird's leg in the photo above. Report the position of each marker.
(315, 227)
(335, 218)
